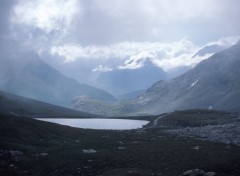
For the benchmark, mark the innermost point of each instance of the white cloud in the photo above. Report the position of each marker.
(47, 15)
(138, 61)
(101, 68)
(121, 50)
(133, 54)
(226, 41)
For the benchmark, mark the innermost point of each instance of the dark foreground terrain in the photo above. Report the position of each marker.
(31, 147)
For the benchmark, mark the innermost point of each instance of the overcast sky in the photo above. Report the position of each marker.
(168, 31)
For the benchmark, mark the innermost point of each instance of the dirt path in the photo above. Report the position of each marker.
(155, 122)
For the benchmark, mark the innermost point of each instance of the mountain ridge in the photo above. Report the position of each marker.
(27, 75)
(21, 106)
(213, 82)
(125, 80)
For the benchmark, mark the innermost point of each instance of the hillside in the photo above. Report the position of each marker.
(21, 106)
(27, 75)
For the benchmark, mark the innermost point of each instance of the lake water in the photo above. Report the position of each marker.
(103, 124)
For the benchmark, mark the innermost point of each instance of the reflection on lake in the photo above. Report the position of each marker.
(107, 124)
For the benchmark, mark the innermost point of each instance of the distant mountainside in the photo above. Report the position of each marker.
(211, 49)
(213, 83)
(121, 81)
(131, 95)
(21, 106)
(27, 75)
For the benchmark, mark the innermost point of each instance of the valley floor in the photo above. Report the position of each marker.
(30, 147)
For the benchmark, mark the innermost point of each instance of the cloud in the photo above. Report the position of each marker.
(101, 68)
(72, 52)
(93, 22)
(156, 21)
(164, 10)
(138, 61)
(93, 36)
(47, 15)
(225, 41)
(134, 54)
(119, 50)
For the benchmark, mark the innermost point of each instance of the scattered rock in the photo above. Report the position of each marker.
(133, 173)
(89, 151)
(121, 148)
(15, 153)
(135, 142)
(105, 136)
(11, 165)
(196, 148)
(153, 139)
(198, 172)
(210, 174)
(43, 154)
(225, 133)
(10, 155)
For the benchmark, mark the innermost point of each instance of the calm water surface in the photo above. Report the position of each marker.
(106, 124)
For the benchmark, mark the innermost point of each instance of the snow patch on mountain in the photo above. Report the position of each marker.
(195, 82)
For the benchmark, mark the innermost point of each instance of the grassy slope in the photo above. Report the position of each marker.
(149, 152)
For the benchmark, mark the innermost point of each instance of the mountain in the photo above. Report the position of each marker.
(21, 106)
(27, 75)
(124, 80)
(214, 83)
(210, 49)
(131, 95)
(93, 106)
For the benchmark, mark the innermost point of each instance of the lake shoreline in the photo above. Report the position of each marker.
(98, 123)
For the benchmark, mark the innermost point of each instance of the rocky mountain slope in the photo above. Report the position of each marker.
(27, 75)
(213, 83)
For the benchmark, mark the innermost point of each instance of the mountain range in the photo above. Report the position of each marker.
(213, 83)
(126, 80)
(27, 75)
